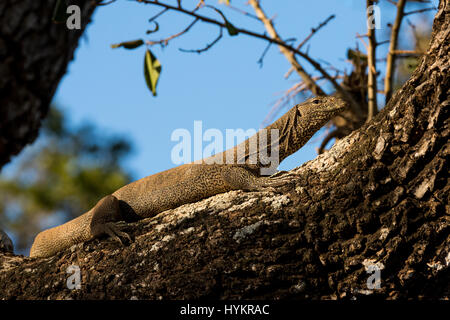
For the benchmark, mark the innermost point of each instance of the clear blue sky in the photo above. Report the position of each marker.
(224, 87)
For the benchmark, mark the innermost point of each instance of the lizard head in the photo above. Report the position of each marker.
(322, 107)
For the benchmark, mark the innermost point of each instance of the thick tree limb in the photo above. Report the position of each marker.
(34, 54)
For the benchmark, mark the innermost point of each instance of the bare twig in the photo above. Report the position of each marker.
(333, 134)
(413, 29)
(199, 5)
(287, 53)
(313, 31)
(390, 62)
(277, 41)
(368, 48)
(287, 96)
(158, 14)
(166, 40)
(409, 52)
(208, 46)
(239, 30)
(245, 13)
(281, 102)
(417, 36)
(154, 30)
(383, 42)
(100, 3)
(261, 59)
(419, 11)
(361, 38)
(371, 57)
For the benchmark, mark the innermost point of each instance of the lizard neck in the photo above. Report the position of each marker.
(285, 136)
(296, 130)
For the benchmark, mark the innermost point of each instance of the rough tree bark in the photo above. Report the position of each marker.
(378, 198)
(34, 54)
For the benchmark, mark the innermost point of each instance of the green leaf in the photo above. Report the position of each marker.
(232, 31)
(133, 44)
(152, 70)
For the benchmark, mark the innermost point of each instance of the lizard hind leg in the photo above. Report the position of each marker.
(106, 214)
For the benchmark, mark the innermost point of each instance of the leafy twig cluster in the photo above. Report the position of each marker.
(359, 87)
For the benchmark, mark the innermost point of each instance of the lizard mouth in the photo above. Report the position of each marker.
(330, 109)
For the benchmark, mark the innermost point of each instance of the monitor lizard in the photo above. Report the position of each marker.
(194, 181)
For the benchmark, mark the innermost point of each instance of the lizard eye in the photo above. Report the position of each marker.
(316, 101)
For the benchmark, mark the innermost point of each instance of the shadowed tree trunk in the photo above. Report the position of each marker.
(378, 201)
(34, 54)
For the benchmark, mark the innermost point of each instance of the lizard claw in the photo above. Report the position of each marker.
(114, 231)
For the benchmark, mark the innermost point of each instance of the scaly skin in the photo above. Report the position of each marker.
(191, 182)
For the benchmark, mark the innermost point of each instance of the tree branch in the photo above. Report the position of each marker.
(371, 60)
(390, 63)
(316, 65)
(261, 59)
(409, 52)
(208, 46)
(333, 134)
(245, 13)
(419, 11)
(166, 40)
(158, 14)
(315, 89)
(313, 31)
